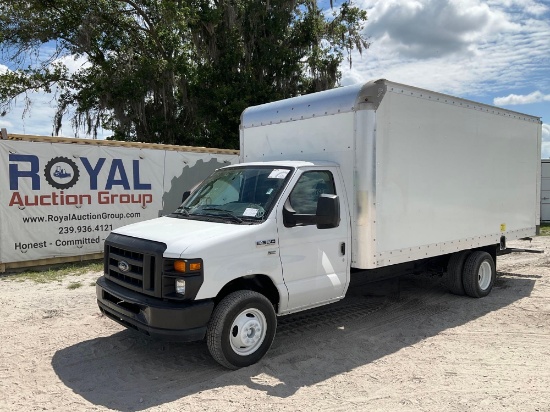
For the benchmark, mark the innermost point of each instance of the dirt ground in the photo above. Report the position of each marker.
(426, 351)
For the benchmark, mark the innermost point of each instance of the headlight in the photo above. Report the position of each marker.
(180, 286)
(181, 278)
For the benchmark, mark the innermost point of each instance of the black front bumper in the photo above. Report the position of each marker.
(172, 321)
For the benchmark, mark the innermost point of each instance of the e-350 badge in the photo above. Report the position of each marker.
(270, 242)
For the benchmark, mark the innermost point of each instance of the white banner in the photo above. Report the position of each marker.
(63, 199)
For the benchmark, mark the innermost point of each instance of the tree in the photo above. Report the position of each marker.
(173, 71)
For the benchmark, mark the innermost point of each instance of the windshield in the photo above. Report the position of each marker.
(237, 194)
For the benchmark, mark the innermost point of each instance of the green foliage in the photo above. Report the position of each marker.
(173, 71)
(545, 229)
(56, 273)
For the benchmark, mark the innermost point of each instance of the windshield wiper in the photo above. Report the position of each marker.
(180, 211)
(223, 212)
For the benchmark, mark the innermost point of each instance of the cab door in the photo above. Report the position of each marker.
(315, 261)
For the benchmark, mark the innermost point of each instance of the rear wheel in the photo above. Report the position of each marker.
(241, 329)
(453, 276)
(479, 274)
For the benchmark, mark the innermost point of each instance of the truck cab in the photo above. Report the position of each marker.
(261, 239)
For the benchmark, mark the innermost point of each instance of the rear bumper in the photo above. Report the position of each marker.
(172, 321)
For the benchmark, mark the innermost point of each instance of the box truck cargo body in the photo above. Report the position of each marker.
(349, 185)
(427, 173)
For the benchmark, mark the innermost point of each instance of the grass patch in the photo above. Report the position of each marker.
(545, 229)
(74, 285)
(56, 273)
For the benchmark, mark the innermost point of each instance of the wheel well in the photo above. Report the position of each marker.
(258, 283)
(491, 249)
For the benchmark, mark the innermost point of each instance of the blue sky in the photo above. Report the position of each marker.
(492, 51)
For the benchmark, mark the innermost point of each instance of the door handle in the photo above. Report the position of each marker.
(343, 248)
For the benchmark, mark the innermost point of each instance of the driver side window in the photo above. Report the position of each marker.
(309, 187)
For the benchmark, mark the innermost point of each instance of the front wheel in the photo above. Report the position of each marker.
(241, 329)
(479, 274)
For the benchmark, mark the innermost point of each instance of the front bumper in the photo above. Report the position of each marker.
(167, 320)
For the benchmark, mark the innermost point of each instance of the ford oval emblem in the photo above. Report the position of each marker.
(123, 266)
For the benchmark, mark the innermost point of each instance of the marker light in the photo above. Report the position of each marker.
(179, 265)
(193, 267)
(180, 286)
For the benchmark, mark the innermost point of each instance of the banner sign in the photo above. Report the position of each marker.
(61, 199)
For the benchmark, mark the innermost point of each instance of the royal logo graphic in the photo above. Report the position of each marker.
(100, 181)
(61, 173)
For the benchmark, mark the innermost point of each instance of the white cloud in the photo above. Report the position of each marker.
(514, 99)
(37, 119)
(74, 63)
(533, 7)
(432, 28)
(461, 47)
(5, 123)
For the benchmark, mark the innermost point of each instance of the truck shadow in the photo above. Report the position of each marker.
(127, 371)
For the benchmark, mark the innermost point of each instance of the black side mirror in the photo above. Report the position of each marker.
(186, 194)
(328, 212)
(326, 217)
(289, 215)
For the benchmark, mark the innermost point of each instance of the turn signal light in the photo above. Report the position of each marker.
(179, 265)
(194, 266)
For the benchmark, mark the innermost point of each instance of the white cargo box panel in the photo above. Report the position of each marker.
(451, 174)
(427, 173)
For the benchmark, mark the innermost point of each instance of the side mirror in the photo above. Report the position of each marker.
(327, 215)
(289, 215)
(328, 212)
(186, 194)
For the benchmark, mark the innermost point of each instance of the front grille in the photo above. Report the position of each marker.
(135, 264)
(137, 273)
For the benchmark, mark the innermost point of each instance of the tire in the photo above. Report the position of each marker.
(479, 274)
(241, 329)
(453, 276)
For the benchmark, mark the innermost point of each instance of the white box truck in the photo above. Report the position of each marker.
(349, 185)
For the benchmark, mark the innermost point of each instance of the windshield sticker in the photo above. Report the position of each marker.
(278, 174)
(269, 191)
(250, 212)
